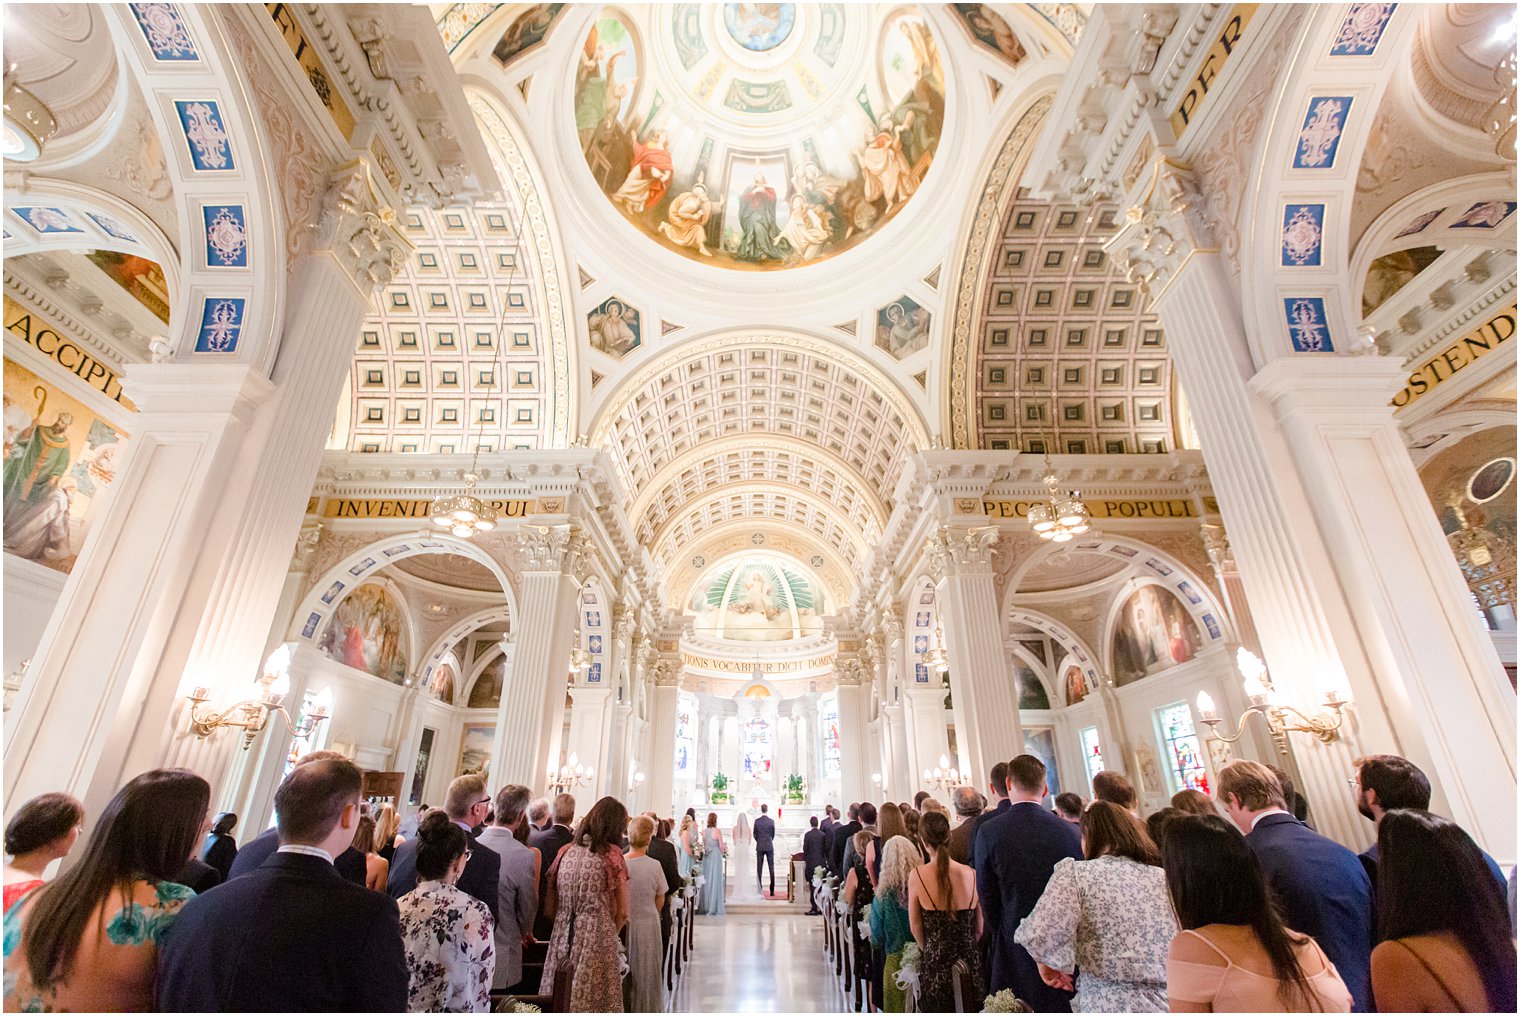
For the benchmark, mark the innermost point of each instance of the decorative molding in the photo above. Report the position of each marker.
(1162, 230)
(955, 551)
(358, 228)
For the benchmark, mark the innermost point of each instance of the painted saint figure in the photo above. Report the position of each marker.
(686, 220)
(757, 223)
(883, 166)
(648, 176)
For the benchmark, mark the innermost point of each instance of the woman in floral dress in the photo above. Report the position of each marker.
(88, 940)
(588, 895)
(449, 935)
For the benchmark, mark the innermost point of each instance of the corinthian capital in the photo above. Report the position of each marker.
(358, 228)
(1162, 229)
(954, 550)
(551, 548)
(306, 547)
(622, 622)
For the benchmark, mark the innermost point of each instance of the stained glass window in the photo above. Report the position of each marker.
(1182, 747)
(301, 745)
(1092, 752)
(828, 723)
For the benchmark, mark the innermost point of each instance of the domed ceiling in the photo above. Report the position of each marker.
(759, 136)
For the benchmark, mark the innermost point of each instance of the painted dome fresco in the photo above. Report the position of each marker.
(759, 136)
(757, 599)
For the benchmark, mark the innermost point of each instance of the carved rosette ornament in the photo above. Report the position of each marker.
(954, 550)
(1162, 229)
(358, 228)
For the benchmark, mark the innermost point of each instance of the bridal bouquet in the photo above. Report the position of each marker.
(1005, 1001)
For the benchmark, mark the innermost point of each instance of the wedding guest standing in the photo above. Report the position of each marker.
(713, 853)
(946, 921)
(252, 855)
(646, 895)
(42, 831)
(376, 868)
(858, 885)
(890, 930)
(1194, 802)
(1233, 953)
(1321, 887)
(1107, 916)
(517, 884)
(664, 852)
(220, 849)
(466, 805)
(588, 895)
(686, 850)
(549, 842)
(968, 809)
(813, 856)
(447, 933)
(387, 833)
(1445, 942)
(1015, 853)
(882, 826)
(88, 940)
(293, 935)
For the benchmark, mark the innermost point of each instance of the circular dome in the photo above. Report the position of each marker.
(759, 136)
(758, 598)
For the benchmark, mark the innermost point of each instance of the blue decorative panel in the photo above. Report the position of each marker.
(593, 618)
(400, 549)
(1303, 235)
(1125, 551)
(920, 673)
(1212, 624)
(1308, 326)
(165, 31)
(1186, 589)
(920, 643)
(921, 619)
(1157, 566)
(1419, 222)
(1485, 215)
(226, 236)
(310, 627)
(927, 597)
(47, 220)
(1362, 30)
(594, 674)
(595, 643)
(1320, 137)
(210, 147)
(332, 593)
(221, 325)
(362, 567)
(110, 227)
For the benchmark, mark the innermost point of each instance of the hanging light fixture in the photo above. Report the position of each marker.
(937, 659)
(464, 514)
(29, 124)
(1063, 515)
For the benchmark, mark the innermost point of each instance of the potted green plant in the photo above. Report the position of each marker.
(719, 789)
(796, 791)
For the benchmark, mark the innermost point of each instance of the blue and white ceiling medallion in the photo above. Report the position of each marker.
(1303, 236)
(1320, 138)
(226, 236)
(221, 325)
(210, 145)
(1308, 326)
(1362, 30)
(110, 227)
(45, 219)
(165, 31)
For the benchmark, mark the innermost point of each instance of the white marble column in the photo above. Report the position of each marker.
(590, 715)
(1327, 611)
(181, 579)
(530, 724)
(855, 778)
(985, 702)
(661, 763)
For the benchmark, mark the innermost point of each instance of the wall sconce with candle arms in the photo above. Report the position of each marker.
(252, 715)
(944, 776)
(1281, 719)
(570, 775)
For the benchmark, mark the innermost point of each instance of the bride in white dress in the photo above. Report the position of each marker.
(743, 868)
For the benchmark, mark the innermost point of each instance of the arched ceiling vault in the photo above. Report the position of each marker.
(761, 501)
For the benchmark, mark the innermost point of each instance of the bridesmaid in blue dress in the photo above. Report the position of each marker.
(712, 867)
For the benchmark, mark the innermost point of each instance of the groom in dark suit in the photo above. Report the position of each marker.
(765, 846)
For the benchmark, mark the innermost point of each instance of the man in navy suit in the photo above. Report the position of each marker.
(349, 862)
(466, 806)
(830, 819)
(839, 838)
(765, 847)
(814, 845)
(1321, 886)
(293, 936)
(549, 842)
(997, 784)
(1015, 852)
(1385, 782)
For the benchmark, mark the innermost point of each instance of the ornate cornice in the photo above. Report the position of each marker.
(553, 549)
(1162, 228)
(358, 228)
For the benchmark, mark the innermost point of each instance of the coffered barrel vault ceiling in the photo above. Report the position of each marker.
(1066, 349)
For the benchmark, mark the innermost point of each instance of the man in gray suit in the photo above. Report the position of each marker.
(517, 886)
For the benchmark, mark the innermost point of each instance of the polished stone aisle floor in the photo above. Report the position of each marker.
(758, 963)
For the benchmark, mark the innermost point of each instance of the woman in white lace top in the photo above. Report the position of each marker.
(1108, 919)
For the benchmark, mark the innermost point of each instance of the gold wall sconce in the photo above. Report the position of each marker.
(1281, 719)
(252, 715)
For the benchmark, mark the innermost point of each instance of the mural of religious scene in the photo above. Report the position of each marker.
(1031, 691)
(1152, 632)
(989, 28)
(902, 327)
(367, 632)
(441, 684)
(758, 600)
(1075, 683)
(663, 147)
(526, 31)
(1471, 486)
(1392, 272)
(613, 327)
(59, 456)
(485, 693)
(475, 748)
(142, 278)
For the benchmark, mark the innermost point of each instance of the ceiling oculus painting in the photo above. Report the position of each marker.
(759, 136)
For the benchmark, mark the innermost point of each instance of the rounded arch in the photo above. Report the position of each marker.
(479, 669)
(1210, 630)
(213, 140)
(1041, 673)
(446, 643)
(1076, 648)
(338, 581)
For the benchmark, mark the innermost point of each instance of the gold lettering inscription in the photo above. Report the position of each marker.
(71, 357)
(1468, 349)
(1225, 45)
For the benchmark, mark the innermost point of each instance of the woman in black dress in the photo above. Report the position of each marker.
(221, 849)
(946, 921)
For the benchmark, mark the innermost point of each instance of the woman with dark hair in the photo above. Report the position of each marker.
(588, 894)
(1194, 802)
(376, 869)
(448, 934)
(889, 823)
(42, 831)
(1106, 916)
(1445, 942)
(1233, 953)
(945, 919)
(1157, 821)
(220, 849)
(88, 941)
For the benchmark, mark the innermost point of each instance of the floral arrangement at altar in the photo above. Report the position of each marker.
(720, 784)
(795, 788)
